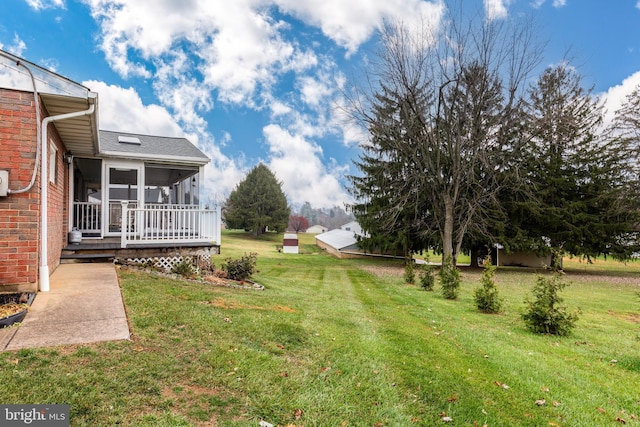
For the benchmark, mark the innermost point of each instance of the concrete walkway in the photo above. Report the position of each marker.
(83, 306)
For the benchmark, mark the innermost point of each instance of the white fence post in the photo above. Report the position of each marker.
(123, 224)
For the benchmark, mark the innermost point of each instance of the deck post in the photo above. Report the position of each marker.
(123, 223)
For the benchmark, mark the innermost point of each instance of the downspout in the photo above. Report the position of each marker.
(44, 251)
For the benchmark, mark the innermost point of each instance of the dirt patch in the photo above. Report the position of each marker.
(382, 271)
(221, 303)
(629, 317)
(193, 398)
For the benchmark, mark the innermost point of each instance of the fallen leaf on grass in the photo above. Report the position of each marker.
(544, 389)
(541, 402)
(554, 424)
(499, 384)
(453, 398)
(446, 419)
(601, 410)
(556, 403)
(297, 413)
(284, 374)
(621, 420)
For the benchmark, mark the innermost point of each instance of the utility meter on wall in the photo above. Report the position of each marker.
(4, 183)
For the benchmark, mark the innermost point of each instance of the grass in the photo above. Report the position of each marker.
(345, 343)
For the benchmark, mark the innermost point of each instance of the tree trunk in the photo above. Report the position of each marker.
(447, 233)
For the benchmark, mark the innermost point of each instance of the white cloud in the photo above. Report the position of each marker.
(17, 47)
(496, 9)
(349, 24)
(45, 4)
(122, 109)
(203, 55)
(536, 4)
(297, 163)
(617, 95)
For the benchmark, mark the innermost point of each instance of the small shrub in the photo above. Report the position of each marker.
(242, 268)
(545, 315)
(449, 279)
(184, 268)
(427, 279)
(409, 271)
(486, 296)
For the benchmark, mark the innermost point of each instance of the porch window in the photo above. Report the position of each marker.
(172, 185)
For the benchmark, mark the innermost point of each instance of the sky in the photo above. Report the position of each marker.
(252, 81)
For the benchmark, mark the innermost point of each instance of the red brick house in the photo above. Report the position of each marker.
(61, 178)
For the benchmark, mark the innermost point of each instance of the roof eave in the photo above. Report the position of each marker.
(200, 161)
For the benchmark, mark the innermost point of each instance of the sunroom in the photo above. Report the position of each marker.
(141, 190)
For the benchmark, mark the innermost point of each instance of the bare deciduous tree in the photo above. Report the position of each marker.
(454, 102)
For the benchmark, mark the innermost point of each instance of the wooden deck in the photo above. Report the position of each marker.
(108, 249)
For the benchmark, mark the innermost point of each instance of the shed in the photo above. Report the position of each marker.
(290, 243)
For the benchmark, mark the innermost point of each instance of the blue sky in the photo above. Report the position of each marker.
(260, 80)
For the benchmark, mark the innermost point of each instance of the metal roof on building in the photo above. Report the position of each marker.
(338, 239)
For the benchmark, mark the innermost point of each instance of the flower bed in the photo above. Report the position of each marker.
(14, 307)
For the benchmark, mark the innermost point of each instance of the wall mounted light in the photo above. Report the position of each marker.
(67, 157)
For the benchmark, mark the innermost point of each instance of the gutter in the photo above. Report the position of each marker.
(43, 270)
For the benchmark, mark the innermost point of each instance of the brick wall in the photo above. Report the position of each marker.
(20, 213)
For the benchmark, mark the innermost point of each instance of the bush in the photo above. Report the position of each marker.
(545, 315)
(242, 268)
(409, 271)
(486, 296)
(184, 268)
(427, 280)
(449, 279)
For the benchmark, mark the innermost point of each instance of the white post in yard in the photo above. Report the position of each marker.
(123, 223)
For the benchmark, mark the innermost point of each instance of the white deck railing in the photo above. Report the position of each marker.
(166, 224)
(86, 217)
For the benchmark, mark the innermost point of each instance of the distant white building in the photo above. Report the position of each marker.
(342, 242)
(338, 242)
(317, 229)
(352, 226)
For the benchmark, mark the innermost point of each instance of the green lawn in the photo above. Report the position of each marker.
(334, 342)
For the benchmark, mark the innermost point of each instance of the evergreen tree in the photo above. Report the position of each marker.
(624, 137)
(570, 202)
(392, 225)
(439, 123)
(257, 203)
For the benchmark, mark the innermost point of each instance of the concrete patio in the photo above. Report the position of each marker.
(83, 306)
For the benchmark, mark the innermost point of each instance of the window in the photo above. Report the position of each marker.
(53, 163)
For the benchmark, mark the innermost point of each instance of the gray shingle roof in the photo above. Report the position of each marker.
(151, 147)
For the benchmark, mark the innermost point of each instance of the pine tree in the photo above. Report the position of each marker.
(570, 203)
(257, 203)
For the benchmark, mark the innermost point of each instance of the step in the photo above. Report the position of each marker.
(70, 258)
